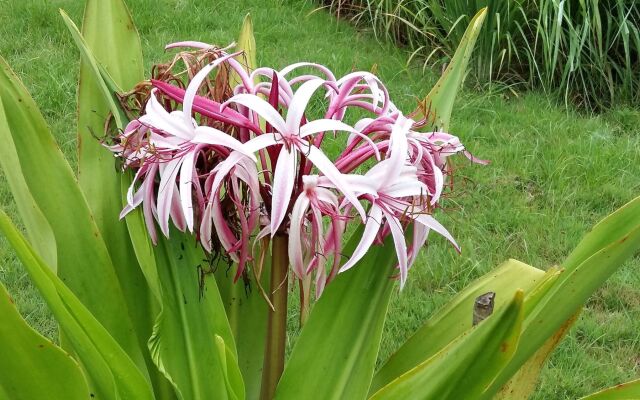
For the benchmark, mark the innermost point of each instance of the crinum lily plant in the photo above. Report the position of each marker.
(248, 164)
(233, 184)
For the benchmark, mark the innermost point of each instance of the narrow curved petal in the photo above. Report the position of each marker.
(148, 204)
(186, 198)
(439, 184)
(323, 125)
(177, 215)
(168, 175)
(264, 232)
(358, 183)
(260, 142)
(288, 69)
(209, 135)
(432, 223)
(420, 234)
(407, 188)
(374, 220)
(321, 281)
(401, 246)
(324, 165)
(283, 180)
(299, 103)
(189, 43)
(157, 117)
(135, 202)
(398, 148)
(206, 225)
(130, 195)
(222, 170)
(327, 196)
(223, 232)
(295, 234)
(195, 83)
(261, 107)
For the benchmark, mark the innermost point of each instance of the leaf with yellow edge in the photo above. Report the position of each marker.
(455, 318)
(599, 254)
(469, 364)
(523, 383)
(624, 391)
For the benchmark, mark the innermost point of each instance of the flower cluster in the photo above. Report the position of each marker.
(255, 164)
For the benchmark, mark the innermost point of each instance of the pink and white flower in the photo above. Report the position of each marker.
(256, 164)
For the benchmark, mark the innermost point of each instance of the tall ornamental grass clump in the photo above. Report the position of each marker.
(584, 51)
(169, 274)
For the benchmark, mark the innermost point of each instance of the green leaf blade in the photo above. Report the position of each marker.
(339, 343)
(82, 256)
(456, 317)
(441, 98)
(466, 366)
(56, 375)
(37, 227)
(577, 284)
(111, 38)
(625, 391)
(110, 370)
(183, 342)
(247, 312)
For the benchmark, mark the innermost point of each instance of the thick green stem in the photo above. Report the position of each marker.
(277, 322)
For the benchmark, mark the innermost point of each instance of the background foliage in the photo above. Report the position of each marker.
(585, 51)
(553, 174)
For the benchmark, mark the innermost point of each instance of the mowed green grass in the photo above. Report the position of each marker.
(554, 173)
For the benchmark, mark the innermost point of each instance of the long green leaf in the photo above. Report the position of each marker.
(339, 343)
(456, 317)
(577, 283)
(95, 69)
(468, 365)
(524, 382)
(31, 366)
(111, 38)
(38, 230)
(183, 342)
(625, 391)
(142, 246)
(611, 229)
(230, 370)
(440, 99)
(246, 311)
(111, 372)
(83, 260)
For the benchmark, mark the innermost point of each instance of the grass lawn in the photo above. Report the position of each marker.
(553, 174)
